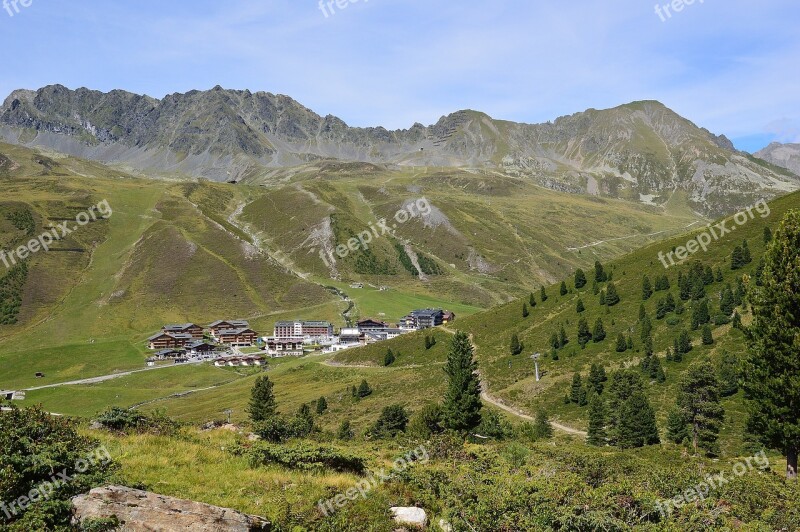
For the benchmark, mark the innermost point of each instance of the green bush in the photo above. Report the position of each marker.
(306, 456)
(34, 448)
(131, 421)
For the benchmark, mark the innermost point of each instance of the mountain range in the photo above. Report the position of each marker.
(641, 151)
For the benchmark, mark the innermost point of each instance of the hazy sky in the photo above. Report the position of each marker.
(731, 66)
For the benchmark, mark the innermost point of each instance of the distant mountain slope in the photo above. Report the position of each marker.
(639, 151)
(783, 155)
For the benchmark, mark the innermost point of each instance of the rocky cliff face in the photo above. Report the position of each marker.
(783, 155)
(635, 150)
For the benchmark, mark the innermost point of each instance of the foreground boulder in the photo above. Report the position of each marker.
(410, 515)
(144, 511)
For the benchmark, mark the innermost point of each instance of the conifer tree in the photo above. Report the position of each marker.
(597, 378)
(562, 337)
(388, 358)
(525, 312)
(647, 328)
(596, 434)
(684, 343)
(698, 287)
(622, 344)
(584, 335)
(661, 309)
(364, 389)
(698, 401)
(579, 307)
(773, 365)
(656, 370)
(462, 400)
(718, 275)
(648, 346)
(708, 276)
(728, 374)
(684, 287)
(677, 431)
(516, 346)
(577, 393)
(542, 294)
(262, 405)
(622, 384)
(612, 297)
(708, 336)
(637, 423)
(599, 332)
(669, 302)
(599, 273)
(700, 314)
(580, 279)
(746, 257)
(322, 406)
(595, 288)
(542, 429)
(532, 300)
(737, 258)
(554, 342)
(647, 288)
(563, 289)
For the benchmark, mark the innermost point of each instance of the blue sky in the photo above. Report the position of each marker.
(731, 66)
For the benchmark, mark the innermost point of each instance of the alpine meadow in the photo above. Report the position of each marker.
(573, 305)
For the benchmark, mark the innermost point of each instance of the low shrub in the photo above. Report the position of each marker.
(306, 456)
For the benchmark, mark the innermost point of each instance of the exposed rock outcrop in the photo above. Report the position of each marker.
(139, 510)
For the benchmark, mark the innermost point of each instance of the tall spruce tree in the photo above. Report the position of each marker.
(532, 300)
(698, 401)
(622, 344)
(621, 386)
(542, 429)
(597, 378)
(579, 306)
(596, 434)
(599, 272)
(577, 392)
(637, 423)
(525, 312)
(772, 369)
(612, 297)
(542, 294)
(599, 332)
(262, 405)
(728, 373)
(647, 288)
(584, 334)
(461, 408)
(708, 335)
(563, 289)
(580, 279)
(677, 431)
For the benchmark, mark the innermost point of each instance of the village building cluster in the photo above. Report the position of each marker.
(221, 340)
